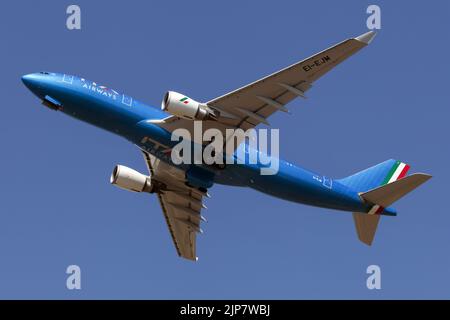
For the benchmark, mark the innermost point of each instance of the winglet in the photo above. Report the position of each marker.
(366, 37)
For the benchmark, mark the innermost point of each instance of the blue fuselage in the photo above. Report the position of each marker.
(122, 115)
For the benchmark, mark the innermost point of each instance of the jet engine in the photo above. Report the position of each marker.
(185, 107)
(131, 180)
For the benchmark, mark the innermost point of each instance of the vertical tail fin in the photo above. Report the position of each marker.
(380, 186)
(378, 175)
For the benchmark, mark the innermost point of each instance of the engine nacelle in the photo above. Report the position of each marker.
(185, 107)
(131, 180)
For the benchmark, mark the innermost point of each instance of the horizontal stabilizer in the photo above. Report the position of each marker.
(366, 223)
(391, 192)
(366, 226)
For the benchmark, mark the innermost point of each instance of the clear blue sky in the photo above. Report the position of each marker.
(391, 100)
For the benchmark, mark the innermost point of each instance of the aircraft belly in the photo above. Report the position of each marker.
(304, 187)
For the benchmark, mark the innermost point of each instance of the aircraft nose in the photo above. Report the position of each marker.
(33, 82)
(30, 81)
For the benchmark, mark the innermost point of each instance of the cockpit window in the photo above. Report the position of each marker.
(44, 72)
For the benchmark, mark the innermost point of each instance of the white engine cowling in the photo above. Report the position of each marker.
(131, 180)
(185, 107)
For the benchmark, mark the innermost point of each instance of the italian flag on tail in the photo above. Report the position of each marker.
(398, 171)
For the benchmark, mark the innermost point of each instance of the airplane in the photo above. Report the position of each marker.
(181, 188)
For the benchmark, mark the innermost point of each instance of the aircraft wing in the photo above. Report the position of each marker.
(180, 204)
(252, 104)
(255, 102)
